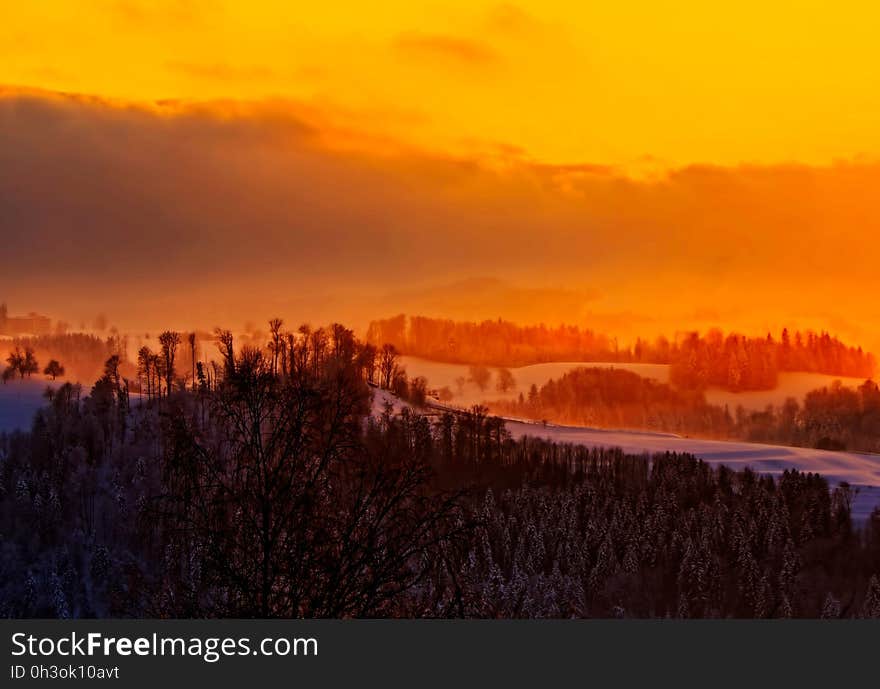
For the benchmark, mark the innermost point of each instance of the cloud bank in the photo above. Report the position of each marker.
(207, 211)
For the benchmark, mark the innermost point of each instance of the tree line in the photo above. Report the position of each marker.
(276, 488)
(834, 417)
(617, 398)
(733, 361)
(82, 355)
(737, 363)
(23, 363)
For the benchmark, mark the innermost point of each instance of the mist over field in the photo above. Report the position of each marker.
(190, 209)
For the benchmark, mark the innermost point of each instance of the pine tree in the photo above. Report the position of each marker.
(683, 611)
(831, 607)
(785, 610)
(871, 605)
(789, 569)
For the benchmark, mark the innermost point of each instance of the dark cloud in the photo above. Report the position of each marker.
(225, 210)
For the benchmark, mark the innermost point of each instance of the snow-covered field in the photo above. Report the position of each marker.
(19, 401)
(860, 470)
(455, 377)
(451, 375)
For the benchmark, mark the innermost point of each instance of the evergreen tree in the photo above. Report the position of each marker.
(871, 604)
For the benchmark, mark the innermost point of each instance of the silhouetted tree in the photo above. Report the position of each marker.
(289, 454)
(388, 366)
(15, 362)
(871, 604)
(506, 381)
(286, 494)
(276, 344)
(29, 365)
(227, 350)
(53, 369)
(418, 390)
(169, 340)
(191, 338)
(480, 376)
(367, 356)
(23, 362)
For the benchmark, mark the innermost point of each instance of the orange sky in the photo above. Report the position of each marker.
(630, 83)
(638, 167)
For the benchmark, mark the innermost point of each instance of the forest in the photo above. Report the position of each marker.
(82, 355)
(834, 417)
(616, 398)
(733, 361)
(269, 485)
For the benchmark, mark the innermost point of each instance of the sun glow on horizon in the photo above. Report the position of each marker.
(653, 166)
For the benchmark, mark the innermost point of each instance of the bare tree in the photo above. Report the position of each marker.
(145, 369)
(158, 367)
(418, 390)
(277, 342)
(285, 454)
(53, 369)
(506, 382)
(170, 341)
(387, 365)
(22, 362)
(367, 361)
(29, 364)
(480, 376)
(16, 362)
(227, 350)
(191, 338)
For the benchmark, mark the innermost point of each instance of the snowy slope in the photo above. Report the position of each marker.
(446, 375)
(862, 471)
(440, 375)
(19, 401)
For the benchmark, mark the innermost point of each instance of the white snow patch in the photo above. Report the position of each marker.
(440, 375)
(19, 402)
(862, 471)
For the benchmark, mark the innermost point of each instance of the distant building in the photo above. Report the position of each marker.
(32, 324)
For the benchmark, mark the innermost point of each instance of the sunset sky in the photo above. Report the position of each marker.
(682, 81)
(638, 165)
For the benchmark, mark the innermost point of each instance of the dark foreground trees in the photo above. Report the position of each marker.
(277, 490)
(269, 492)
(290, 513)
